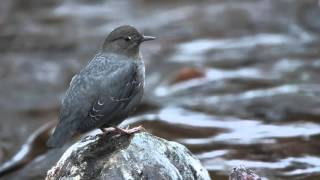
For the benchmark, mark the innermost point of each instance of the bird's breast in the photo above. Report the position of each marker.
(141, 73)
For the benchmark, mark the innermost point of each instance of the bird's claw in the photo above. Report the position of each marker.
(120, 131)
(108, 130)
(131, 131)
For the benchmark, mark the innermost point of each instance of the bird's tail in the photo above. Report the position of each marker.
(59, 136)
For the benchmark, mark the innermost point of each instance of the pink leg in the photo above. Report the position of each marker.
(126, 131)
(108, 130)
(130, 131)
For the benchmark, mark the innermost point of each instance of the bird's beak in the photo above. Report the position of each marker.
(148, 38)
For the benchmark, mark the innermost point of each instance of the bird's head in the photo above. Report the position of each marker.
(125, 40)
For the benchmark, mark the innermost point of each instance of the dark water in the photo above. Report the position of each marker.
(237, 82)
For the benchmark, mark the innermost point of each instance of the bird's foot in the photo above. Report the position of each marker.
(120, 131)
(108, 130)
(128, 131)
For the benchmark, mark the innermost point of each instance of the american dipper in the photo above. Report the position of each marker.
(106, 90)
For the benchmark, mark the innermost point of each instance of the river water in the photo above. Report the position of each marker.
(236, 81)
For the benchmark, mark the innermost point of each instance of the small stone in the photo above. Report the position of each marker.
(242, 173)
(188, 73)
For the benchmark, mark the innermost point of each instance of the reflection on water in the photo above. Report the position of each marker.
(234, 133)
(210, 76)
(237, 131)
(237, 82)
(311, 165)
(196, 48)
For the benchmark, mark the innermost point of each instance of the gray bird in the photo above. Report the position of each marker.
(106, 90)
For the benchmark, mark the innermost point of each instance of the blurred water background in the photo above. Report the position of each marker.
(236, 81)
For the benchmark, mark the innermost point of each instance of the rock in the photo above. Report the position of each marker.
(188, 73)
(37, 168)
(141, 156)
(1, 154)
(34, 146)
(242, 173)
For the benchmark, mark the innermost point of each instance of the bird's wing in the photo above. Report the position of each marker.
(83, 91)
(118, 89)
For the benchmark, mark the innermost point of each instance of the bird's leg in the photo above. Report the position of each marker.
(126, 131)
(108, 130)
(131, 131)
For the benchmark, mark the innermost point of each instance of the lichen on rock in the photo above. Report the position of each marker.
(141, 156)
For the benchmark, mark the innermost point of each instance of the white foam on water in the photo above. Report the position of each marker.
(237, 131)
(195, 49)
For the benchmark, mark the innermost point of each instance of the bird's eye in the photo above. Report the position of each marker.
(128, 38)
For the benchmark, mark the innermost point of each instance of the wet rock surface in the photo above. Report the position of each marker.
(241, 173)
(37, 167)
(237, 82)
(143, 156)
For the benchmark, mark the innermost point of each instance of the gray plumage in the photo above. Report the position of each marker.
(106, 90)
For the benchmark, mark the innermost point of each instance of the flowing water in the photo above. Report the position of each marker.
(237, 82)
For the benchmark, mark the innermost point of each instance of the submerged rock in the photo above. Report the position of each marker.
(141, 156)
(242, 173)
